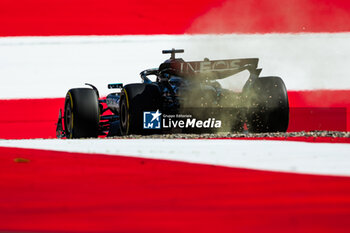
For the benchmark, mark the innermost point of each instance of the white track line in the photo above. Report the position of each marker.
(42, 67)
(300, 157)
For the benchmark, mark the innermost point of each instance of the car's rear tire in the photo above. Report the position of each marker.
(81, 113)
(134, 100)
(268, 106)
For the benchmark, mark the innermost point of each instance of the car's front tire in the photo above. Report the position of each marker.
(81, 113)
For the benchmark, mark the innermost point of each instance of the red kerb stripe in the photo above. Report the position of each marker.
(138, 17)
(310, 110)
(46, 191)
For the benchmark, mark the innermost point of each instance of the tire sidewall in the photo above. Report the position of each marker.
(136, 99)
(82, 104)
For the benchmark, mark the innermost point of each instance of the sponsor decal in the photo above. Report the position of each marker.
(151, 120)
(204, 66)
(155, 120)
(191, 123)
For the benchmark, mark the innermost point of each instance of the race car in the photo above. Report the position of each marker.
(182, 97)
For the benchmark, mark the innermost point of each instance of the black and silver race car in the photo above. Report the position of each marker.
(182, 97)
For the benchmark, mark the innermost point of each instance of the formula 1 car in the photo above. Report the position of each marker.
(187, 95)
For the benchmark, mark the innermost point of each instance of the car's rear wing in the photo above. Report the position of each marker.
(208, 69)
(214, 69)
